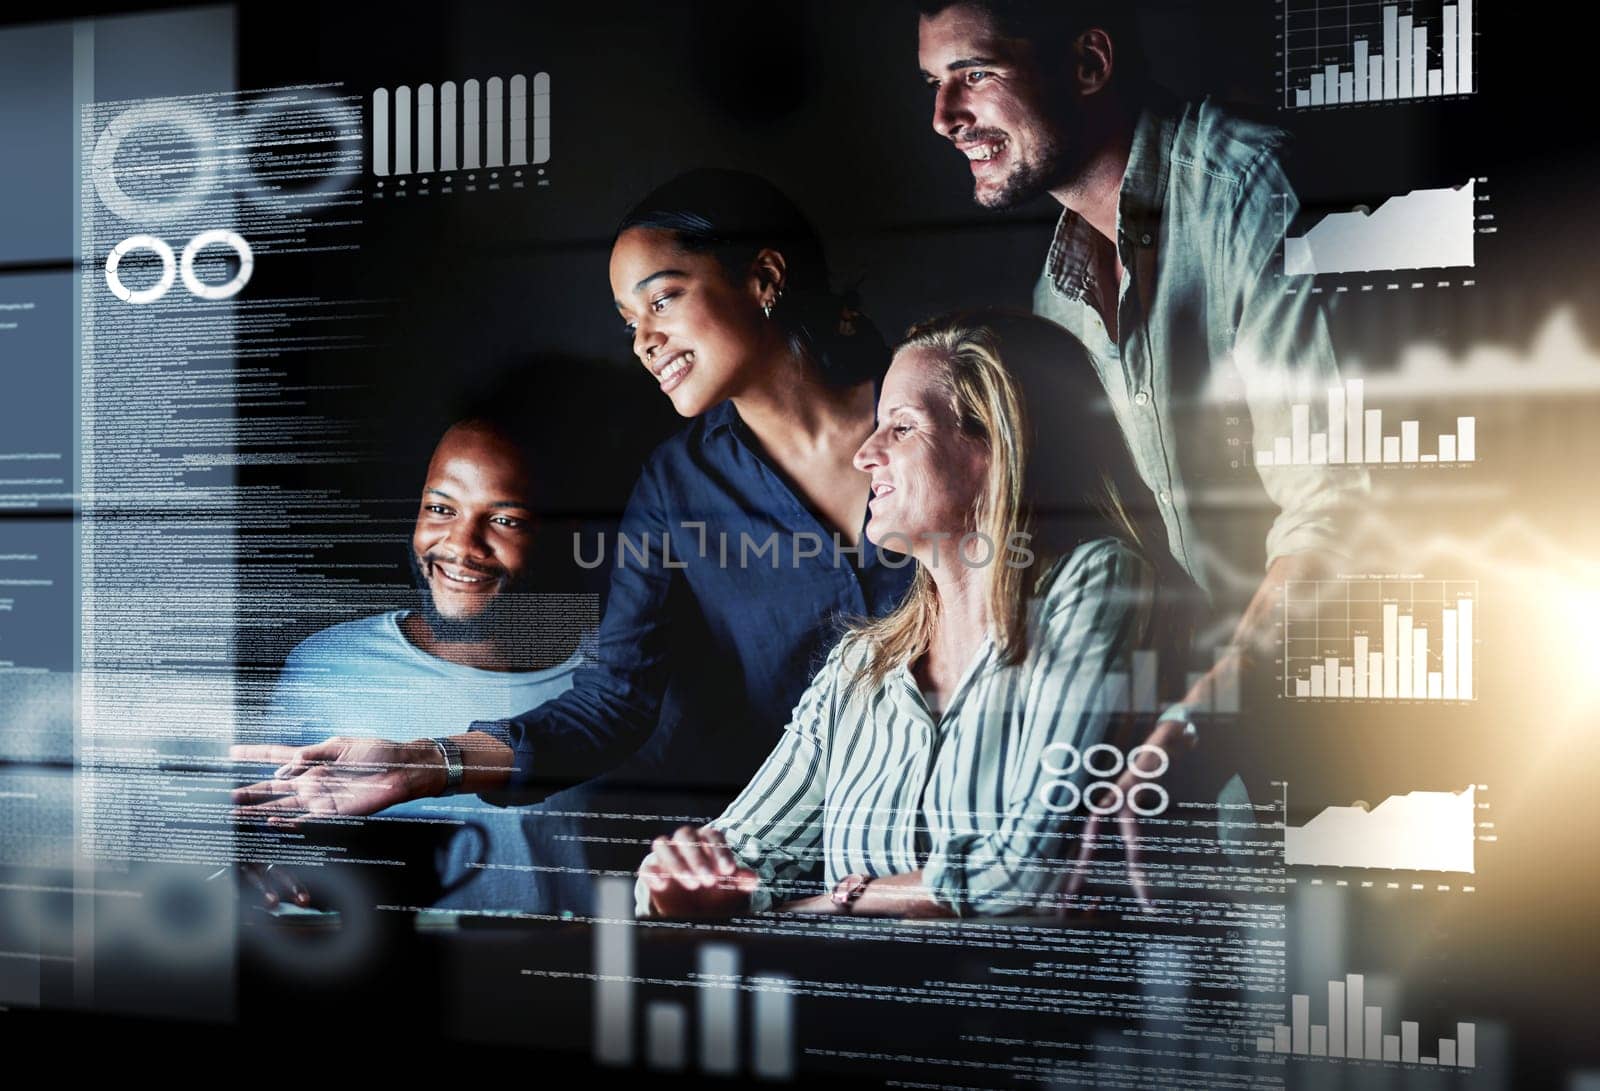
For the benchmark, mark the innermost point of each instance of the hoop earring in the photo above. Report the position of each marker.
(766, 309)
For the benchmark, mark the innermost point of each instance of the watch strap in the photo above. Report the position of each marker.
(848, 891)
(455, 769)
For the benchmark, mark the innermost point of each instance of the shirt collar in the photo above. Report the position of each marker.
(1071, 260)
(1070, 263)
(719, 418)
(1144, 182)
(902, 684)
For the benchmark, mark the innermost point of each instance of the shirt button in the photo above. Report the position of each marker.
(1141, 398)
(1146, 238)
(1166, 497)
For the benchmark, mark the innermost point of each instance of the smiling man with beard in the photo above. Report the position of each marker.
(470, 556)
(1164, 264)
(480, 645)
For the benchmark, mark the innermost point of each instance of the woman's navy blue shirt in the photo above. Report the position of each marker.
(727, 593)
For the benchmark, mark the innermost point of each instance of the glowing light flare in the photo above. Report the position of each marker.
(1571, 639)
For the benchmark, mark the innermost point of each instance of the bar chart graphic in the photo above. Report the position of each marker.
(1137, 686)
(480, 125)
(1366, 53)
(1423, 229)
(1354, 435)
(718, 987)
(1418, 831)
(1380, 639)
(1354, 1032)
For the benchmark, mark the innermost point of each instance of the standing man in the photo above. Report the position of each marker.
(479, 644)
(1163, 264)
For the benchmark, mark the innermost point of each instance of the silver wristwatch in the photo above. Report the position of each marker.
(454, 769)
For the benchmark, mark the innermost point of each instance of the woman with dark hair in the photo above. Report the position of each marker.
(740, 551)
(936, 766)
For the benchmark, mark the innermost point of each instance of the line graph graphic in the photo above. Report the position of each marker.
(1523, 554)
(1422, 229)
(1418, 831)
(1558, 360)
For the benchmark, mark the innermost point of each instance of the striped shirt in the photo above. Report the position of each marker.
(869, 781)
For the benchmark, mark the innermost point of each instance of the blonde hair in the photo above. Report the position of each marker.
(987, 400)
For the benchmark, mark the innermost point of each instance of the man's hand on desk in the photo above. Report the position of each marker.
(273, 884)
(1253, 641)
(1170, 737)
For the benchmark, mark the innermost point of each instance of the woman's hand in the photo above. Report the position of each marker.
(339, 777)
(693, 873)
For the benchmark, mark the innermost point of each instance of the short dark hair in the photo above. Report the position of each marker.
(1051, 25)
(513, 430)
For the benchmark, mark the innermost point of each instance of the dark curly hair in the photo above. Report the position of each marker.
(733, 215)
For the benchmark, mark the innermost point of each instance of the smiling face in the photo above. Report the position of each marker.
(698, 330)
(927, 472)
(475, 528)
(992, 102)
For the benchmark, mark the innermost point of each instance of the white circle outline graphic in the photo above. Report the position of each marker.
(1105, 811)
(169, 268)
(1133, 766)
(1149, 786)
(151, 115)
(1102, 747)
(1061, 771)
(338, 115)
(219, 236)
(1053, 807)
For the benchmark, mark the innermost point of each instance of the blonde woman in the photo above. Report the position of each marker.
(917, 768)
